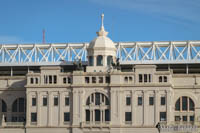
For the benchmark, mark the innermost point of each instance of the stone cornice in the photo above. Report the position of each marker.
(12, 77)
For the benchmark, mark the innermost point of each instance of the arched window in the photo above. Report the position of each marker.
(109, 60)
(160, 79)
(91, 61)
(99, 60)
(97, 107)
(184, 103)
(18, 110)
(19, 105)
(165, 78)
(36, 80)
(130, 79)
(32, 80)
(184, 109)
(126, 79)
(3, 107)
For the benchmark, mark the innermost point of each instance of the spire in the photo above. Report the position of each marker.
(102, 31)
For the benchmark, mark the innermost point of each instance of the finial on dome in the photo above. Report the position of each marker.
(102, 31)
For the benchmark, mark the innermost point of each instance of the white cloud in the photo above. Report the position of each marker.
(181, 10)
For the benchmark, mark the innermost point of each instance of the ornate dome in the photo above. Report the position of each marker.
(102, 41)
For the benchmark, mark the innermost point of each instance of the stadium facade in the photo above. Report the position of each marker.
(100, 87)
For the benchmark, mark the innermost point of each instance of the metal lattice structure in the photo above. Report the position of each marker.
(179, 52)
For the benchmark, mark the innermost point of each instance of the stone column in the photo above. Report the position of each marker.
(156, 107)
(50, 103)
(133, 107)
(168, 106)
(28, 113)
(75, 108)
(91, 118)
(104, 60)
(112, 107)
(38, 109)
(80, 106)
(103, 116)
(94, 60)
(61, 97)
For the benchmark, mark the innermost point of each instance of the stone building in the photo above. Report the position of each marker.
(105, 94)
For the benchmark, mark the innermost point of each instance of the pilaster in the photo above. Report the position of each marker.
(50, 103)
(145, 111)
(156, 107)
(28, 116)
(61, 108)
(75, 108)
(168, 106)
(38, 108)
(133, 106)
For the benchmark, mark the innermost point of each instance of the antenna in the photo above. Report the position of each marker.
(43, 36)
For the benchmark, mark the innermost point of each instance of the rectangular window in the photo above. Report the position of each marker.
(87, 80)
(33, 117)
(151, 100)
(87, 115)
(107, 115)
(54, 79)
(140, 78)
(21, 105)
(162, 100)
(66, 116)
(128, 101)
(128, 116)
(192, 118)
(50, 79)
(93, 79)
(32, 81)
(177, 118)
(145, 77)
(36, 80)
(162, 116)
(33, 101)
(107, 79)
(97, 115)
(184, 103)
(45, 79)
(184, 118)
(69, 80)
(56, 101)
(100, 79)
(44, 101)
(149, 77)
(139, 101)
(66, 101)
(97, 98)
(64, 80)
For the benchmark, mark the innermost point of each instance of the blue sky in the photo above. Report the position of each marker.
(22, 21)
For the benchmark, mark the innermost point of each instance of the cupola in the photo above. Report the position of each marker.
(101, 50)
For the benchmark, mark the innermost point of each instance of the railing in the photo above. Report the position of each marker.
(14, 124)
(95, 124)
(178, 127)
